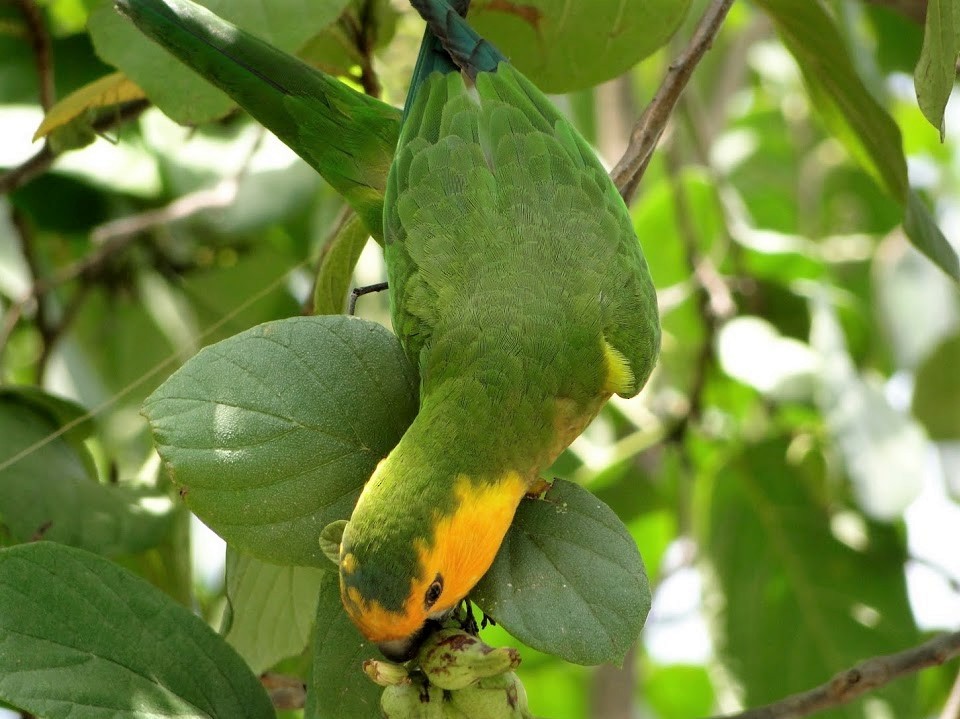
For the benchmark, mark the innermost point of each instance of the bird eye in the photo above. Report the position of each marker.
(433, 592)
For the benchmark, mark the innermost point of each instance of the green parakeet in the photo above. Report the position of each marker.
(519, 289)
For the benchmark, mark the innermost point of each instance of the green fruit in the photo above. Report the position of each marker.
(386, 674)
(453, 659)
(499, 697)
(412, 701)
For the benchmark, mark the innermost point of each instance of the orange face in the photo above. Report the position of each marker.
(461, 549)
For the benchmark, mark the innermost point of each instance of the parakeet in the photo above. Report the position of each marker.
(518, 288)
(347, 136)
(520, 291)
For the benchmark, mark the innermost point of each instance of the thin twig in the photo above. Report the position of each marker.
(649, 128)
(42, 54)
(44, 321)
(366, 38)
(866, 676)
(22, 174)
(45, 157)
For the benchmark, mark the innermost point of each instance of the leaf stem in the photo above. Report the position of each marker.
(42, 53)
(649, 128)
(857, 680)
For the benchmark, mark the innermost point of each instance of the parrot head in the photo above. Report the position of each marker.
(408, 558)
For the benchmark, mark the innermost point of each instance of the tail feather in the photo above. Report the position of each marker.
(348, 137)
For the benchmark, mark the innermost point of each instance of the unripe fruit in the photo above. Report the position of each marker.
(453, 659)
(386, 674)
(499, 697)
(412, 701)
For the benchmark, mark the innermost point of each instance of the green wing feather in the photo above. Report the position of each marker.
(497, 211)
(348, 137)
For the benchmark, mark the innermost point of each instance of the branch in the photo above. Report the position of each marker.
(649, 128)
(45, 324)
(42, 55)
(857, 680)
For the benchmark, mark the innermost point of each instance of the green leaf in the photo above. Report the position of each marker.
(936, 395)
(271, 608)
(336, 266)
(51, 491)
(330, 538)
(936, 71)
(871, 135)
(855, 117)
(793, 603)
(63, 411)
(339, 688)
(82, 638)
(568, 579)
(273, 432)
(179, 92)
(926, 236)
(563, 46)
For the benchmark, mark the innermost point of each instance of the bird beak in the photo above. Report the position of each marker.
(400, 650)
(403, 650)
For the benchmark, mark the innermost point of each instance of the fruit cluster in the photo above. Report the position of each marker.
(454, 676)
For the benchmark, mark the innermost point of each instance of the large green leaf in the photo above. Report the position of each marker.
(49, 488)
(568, 579)
(337, 264)
(855, 117)
(925, 234)
(936, 397)
(272, 433)
(82, 638)
(564, 46)
(936, 71)
(179, 92)
(271, 608)
(339, 689)
(798, 604)
(811, 35)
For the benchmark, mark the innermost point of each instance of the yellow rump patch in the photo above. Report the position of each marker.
(620, 379)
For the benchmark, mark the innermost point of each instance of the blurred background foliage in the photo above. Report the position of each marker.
(792, 472)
